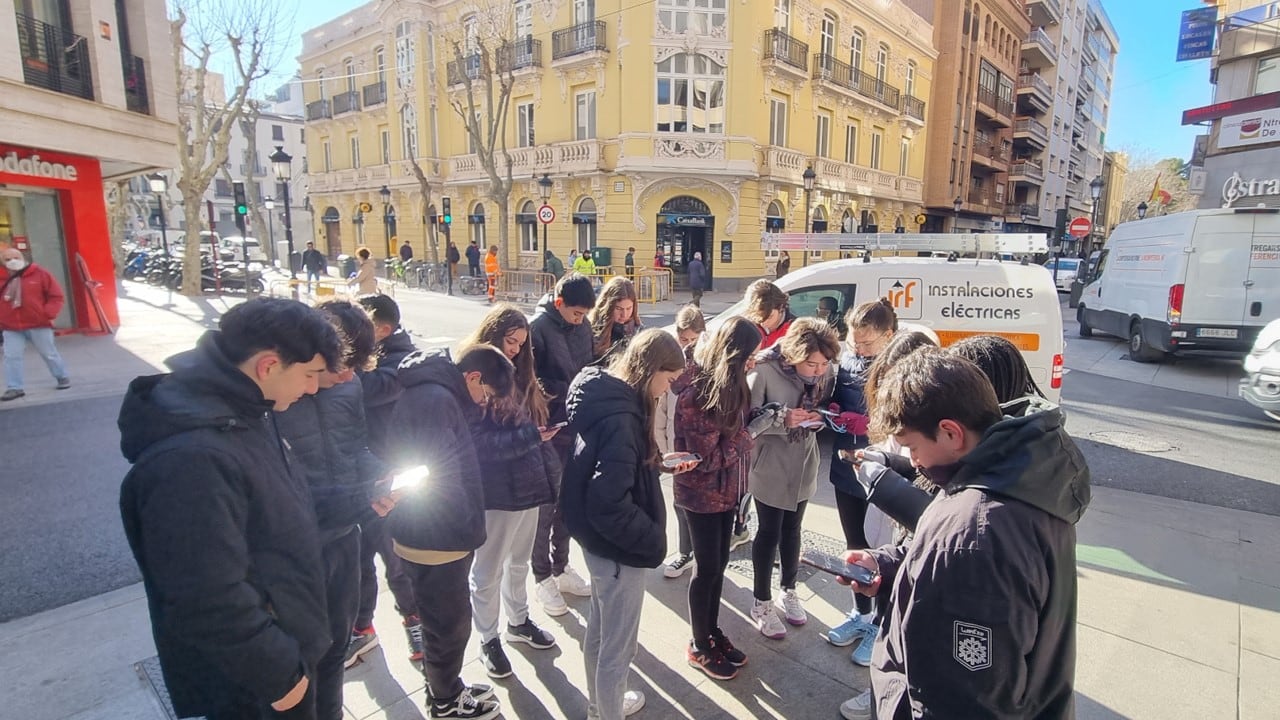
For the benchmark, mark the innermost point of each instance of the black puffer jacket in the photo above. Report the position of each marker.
(223, 531)
(560, 351)
(611, 500)
(382, 388)
(980, 615)
(519, 470)
(327, 434)
(851, 379)
(431, 425)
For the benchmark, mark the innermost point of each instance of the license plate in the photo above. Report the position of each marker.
(1218, 333)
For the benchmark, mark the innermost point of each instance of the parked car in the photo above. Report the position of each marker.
(1068, 269)
(237, 245)
(1261, 383)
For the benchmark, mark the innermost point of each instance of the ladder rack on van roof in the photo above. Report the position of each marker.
(962, 243)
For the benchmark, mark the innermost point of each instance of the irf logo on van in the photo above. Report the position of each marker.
(904, 294)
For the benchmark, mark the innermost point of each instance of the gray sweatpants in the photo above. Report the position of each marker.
(617, 594)
(500, 572)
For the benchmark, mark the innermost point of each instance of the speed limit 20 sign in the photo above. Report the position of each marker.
(546, 214)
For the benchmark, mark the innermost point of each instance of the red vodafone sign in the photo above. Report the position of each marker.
(1079, 227)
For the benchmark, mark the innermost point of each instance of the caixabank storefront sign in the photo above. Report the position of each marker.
(31, 176)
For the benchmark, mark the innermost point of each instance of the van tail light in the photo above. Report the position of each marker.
(1055, 379)
(1175, 302)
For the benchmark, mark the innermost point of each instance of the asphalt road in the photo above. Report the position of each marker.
(61, 539)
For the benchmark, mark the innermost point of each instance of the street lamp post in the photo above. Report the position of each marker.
(281, 161)
(1095, 191)
(808, 176)
(955, 220)
(158, 186)
(544, 190)
(385, 192)
(1142, 210)
(270, 204)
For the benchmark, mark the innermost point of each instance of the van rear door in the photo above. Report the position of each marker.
(1216, 272)
(1262, 289)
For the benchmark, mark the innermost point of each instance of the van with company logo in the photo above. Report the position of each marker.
(1196, 280)
(955, 297)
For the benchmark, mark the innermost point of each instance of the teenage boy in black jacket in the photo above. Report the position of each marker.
(381, 386)
(980, 609)
(221, 524)
(437, 526)
(561, 348)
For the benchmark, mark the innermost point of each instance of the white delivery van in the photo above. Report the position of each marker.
(955, 297)
(1196, 280)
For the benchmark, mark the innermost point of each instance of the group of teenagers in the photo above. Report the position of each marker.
(294, 444)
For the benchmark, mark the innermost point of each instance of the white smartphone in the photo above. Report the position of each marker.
(410, 479)
(675, 462)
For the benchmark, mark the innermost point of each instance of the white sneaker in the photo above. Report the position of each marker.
(857, 708)
(549, 597)
(790, 606)
(679, 565)
(766, 620)
(632, 702)
(572, 583)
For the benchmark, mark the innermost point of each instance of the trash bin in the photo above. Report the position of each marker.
(602, 255)
(1077, 289)
(346, 266)
(295, 261)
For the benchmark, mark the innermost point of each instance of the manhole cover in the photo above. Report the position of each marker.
(740, 559)
(1135, 442)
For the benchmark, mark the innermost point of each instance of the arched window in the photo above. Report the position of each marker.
(585, 222)
(690, 94)
(320, 83)
(349, 69)
(828, 46)
(775, 217)
(527, 219)
(818, 221)
(846, 221)
(470, 34)
(380, 62)
(882, 62)
(406, 55)
(524, 19)
(910, 84)
(856, 46)
(476, 221)
(409, 130)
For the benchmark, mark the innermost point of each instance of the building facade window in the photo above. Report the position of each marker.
(524, 125)
(877, 146)
(585, 222)
(380, 62)
(1268, 76)
(277, 133)
(528, 228)
(476, 221)
(778, 122)
(822, 144)
(701, 16)
(386, 146)
(782, 14)
(524, 19)
(433, 118)
(882, 62)
(585, 115)
(910, 83)
(691, 94)
(409, 131)
(851, 143)
(470, 34)
(584, 11)
(349, 68)
(405, 55)
(328, 156)
(828, 42)
(355, 151)
(904, 157)
(856, 46)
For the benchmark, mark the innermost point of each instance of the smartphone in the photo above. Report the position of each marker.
(559, 425)
(850, 458)
(673, 463)
(410, 479)
(834, 565)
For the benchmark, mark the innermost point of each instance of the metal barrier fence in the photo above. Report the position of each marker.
(652, 284)
(523, 286)
(321, 289)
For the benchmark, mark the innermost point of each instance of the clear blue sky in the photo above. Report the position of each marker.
(1148, 96)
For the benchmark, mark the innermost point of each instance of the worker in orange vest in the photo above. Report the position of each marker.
(492, 270)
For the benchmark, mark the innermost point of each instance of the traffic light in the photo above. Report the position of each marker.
(447, 211)
(242, 205)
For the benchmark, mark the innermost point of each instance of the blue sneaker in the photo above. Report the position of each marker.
(848, 632)
(862, 654)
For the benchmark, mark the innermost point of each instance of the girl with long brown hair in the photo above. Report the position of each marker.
(518, 468)
(614, 320)
(712, 403)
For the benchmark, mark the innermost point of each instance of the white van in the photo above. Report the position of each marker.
(954, 298)
(1197, 280)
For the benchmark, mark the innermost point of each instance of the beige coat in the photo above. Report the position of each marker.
(366, 279)
(784, 471)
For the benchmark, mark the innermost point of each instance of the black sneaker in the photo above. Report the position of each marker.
(495, 659)
(479, 691)
(361, 642)
(465, 706)
(733, 655)
(712, 663)
(530, 634)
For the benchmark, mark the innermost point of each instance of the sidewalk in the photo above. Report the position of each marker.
(1179, 617)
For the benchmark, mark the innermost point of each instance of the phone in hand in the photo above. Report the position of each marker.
(559, 425)
(676, 461)
(849, 457)
(410, 479)
(849, 571)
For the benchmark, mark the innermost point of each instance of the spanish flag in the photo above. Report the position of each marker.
(1155, 190)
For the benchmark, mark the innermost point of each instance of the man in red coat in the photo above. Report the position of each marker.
(30, 299)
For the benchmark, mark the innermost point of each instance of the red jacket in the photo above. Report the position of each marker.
(41, 300)
(718, 483)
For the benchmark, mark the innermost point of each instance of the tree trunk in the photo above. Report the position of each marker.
(118, 205)
(193, 210)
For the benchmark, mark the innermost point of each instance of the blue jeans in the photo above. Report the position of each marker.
(15, 344)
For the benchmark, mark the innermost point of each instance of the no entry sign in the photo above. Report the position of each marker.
(1079, 227)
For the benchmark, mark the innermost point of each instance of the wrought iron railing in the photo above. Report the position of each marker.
(346, 102)
(525, 52)
(319, 110)
(375, 93)
(581, 38)
(135, 86)
(471, 68)
(53, 58)
(913, 106)
(782, 47)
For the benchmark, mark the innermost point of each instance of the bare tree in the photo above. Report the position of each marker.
(1140, 183)
(249, 32)
(118, 206)
(484, 57)
(424, 186)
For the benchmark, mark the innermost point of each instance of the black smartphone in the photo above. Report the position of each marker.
(834, 565)
(673, 463)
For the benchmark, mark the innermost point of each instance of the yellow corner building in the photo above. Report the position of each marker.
(674, 126)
